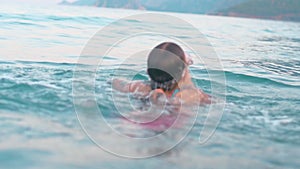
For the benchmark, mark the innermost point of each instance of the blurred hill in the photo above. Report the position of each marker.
(266, 9)
(184, 6)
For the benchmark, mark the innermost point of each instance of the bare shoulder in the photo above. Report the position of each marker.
(126, 86)
(194, 95)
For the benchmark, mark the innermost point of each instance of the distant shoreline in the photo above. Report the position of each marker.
(231, 14)
(281, 10)
(286, 17)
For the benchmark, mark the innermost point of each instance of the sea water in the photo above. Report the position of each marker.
(39, 50)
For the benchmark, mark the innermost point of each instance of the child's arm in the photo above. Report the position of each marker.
(130, 87)
(121, 85)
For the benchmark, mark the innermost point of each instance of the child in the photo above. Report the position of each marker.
(167, 67)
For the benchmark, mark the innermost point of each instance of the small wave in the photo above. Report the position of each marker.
(34, 86)
(6, 63)
(255, 79)
(10, 20)
(10, 24)
(80, 19)
(43, 63)
(279, 67)
(133, 21)
(278, 39)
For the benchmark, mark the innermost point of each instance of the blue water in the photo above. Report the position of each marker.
(39, 48)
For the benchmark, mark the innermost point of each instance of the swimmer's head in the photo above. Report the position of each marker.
(166, 65)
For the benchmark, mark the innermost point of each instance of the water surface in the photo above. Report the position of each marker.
(39, 48)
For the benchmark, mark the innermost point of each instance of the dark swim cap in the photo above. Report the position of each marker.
(166, 65)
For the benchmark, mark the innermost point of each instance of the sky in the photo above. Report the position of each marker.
(33, 1)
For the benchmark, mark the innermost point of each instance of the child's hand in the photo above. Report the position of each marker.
(156, 94)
